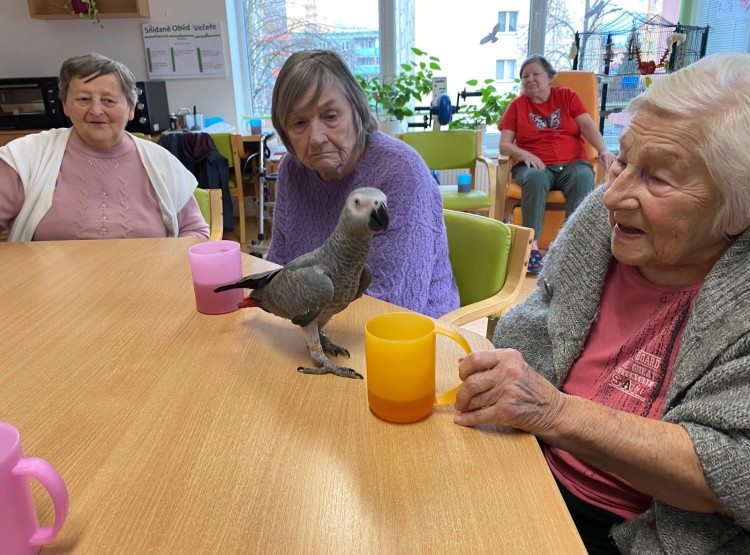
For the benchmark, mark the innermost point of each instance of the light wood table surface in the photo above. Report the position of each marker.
(178, 432)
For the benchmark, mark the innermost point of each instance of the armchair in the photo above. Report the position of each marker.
(458, 149)
(489, 260)
(209, 202)
(228, 145)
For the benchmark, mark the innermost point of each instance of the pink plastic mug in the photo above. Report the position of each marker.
(215, 263)
(20, 533)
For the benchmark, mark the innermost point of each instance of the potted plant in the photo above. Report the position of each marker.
(393, 101)
(86, 9)
(488, 110)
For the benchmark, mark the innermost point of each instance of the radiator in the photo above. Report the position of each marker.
(450, 177)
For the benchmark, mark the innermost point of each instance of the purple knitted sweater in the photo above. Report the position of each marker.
(410, 265)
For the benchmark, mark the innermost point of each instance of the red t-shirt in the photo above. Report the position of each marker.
(548, 130)
(626, 364)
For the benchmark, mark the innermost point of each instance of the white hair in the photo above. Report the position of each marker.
(714, 93)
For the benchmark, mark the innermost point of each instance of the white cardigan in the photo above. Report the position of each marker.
(37, 159)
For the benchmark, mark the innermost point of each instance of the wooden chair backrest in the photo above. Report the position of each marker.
(585, 86)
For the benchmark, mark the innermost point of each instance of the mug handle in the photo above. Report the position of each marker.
(448, 397)
(43, 472)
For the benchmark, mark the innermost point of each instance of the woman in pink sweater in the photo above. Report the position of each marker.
(94, 180)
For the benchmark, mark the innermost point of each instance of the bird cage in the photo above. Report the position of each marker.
(627, 55)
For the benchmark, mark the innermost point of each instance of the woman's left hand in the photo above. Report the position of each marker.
(500, 387)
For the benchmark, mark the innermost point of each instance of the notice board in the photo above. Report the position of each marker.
(175, 50)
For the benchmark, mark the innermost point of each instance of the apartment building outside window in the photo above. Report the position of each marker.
(507, 22)
(272, 29)
(505, 70)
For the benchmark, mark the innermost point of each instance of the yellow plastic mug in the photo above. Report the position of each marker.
(400, 353)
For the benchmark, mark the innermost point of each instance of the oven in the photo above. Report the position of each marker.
(31, 103)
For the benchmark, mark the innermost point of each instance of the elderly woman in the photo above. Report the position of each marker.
(94, 180)
(634, 374)
(321, 115)
(543, 130)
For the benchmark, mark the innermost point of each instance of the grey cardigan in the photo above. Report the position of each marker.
(709, 394)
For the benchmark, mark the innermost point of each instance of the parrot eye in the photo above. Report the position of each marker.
(356, 201)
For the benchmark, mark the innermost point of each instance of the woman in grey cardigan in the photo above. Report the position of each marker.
(630, 361)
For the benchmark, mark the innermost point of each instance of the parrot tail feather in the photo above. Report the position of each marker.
(250, 282)
(247, 302)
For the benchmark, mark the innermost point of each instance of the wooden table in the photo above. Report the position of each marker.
(178, 432)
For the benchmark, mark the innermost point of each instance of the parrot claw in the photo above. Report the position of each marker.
(335, 350)
(331, 348)
(337, 370)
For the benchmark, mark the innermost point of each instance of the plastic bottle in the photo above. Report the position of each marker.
(464, 182)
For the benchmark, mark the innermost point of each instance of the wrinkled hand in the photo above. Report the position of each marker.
(532, 161)
(500, 388)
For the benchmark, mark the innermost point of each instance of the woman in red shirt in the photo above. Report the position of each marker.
(543, 130)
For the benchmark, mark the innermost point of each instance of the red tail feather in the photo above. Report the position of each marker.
(247, 302)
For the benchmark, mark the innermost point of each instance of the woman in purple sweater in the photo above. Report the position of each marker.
(322, 116)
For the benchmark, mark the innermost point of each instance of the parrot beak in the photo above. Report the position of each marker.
(379, 218)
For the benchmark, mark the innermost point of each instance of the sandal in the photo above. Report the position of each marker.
(535, 262)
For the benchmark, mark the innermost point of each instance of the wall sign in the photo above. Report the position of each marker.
(184, 50)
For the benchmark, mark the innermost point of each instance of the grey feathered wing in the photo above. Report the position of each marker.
(298, 294)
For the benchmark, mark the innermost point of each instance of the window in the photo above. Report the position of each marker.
(507, 22)
(273, 29)
(604, 47)
(475, 50)
(565, 19)
(505, 70)
(730, 25)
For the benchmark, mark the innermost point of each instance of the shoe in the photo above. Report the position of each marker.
(535, 262)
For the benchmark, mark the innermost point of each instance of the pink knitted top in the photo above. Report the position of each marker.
(99, 195)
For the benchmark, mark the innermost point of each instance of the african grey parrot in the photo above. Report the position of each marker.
(316, 285)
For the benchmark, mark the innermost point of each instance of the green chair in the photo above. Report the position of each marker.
(209, 201)
(457, 149)
(227, 145)
(489, 260)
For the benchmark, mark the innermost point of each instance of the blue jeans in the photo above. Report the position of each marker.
(575, 180)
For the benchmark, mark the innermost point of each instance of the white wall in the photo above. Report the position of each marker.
(35, 47)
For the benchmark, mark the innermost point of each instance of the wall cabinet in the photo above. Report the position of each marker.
(56, 9)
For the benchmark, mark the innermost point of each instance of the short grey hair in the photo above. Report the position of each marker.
(92, 66)
(542, 61)
(714, 93)
(318, 68)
